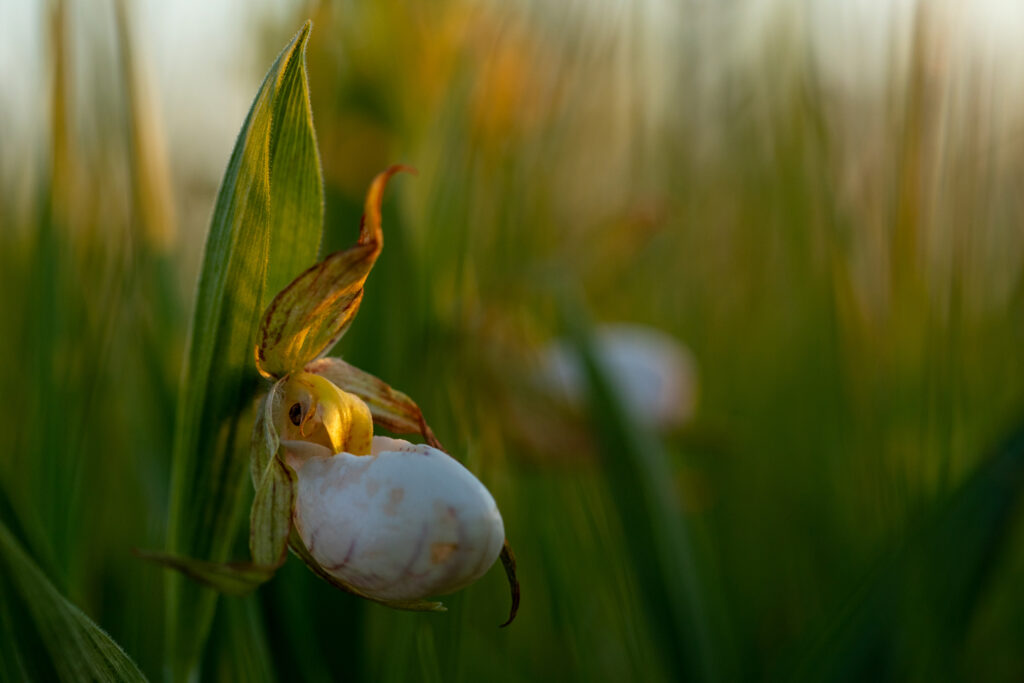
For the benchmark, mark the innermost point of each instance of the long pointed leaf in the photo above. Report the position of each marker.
(659, 540)
(266, 225)
(77, 648)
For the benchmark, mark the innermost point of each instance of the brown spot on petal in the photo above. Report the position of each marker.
(439, 552)
(395, 497)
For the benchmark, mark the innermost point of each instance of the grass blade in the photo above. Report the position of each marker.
(265, 228)
(921, 588)
(659, 544)
(244, 654)
(76, 647)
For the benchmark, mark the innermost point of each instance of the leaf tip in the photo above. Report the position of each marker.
(370, 229)
(303, 35)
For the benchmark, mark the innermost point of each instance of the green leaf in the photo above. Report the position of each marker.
(233, 578)
(659, 542)
(243, 651)
(76, 647)
(391, 409)
(296, 184)
(311, 314)
(928, 585)
(265, 228)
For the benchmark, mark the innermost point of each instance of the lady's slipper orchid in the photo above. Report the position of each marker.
(383, 518)
(388, 519)
(404, 523)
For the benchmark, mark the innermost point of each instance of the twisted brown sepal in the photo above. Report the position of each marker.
(308, 316)
(508, 561)
(390, 408)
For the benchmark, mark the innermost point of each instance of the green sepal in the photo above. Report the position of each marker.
(270, 518)
(265, 440)
(232, 578)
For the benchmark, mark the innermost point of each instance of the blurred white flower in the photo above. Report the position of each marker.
(653, 374)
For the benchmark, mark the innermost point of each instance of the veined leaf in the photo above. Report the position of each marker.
(265, 227)
(77, 648)
(311, 314)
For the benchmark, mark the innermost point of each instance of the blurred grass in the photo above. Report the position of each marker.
(844, 263)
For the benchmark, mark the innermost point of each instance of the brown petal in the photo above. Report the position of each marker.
(309, 315)
(391, 409)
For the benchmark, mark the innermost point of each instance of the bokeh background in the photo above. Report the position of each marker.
(820, 205)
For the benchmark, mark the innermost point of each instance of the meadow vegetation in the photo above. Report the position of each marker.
(843, 259)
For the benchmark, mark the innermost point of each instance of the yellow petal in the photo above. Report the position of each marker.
(316, 411)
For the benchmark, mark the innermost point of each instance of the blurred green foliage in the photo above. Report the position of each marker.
(846, 270)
